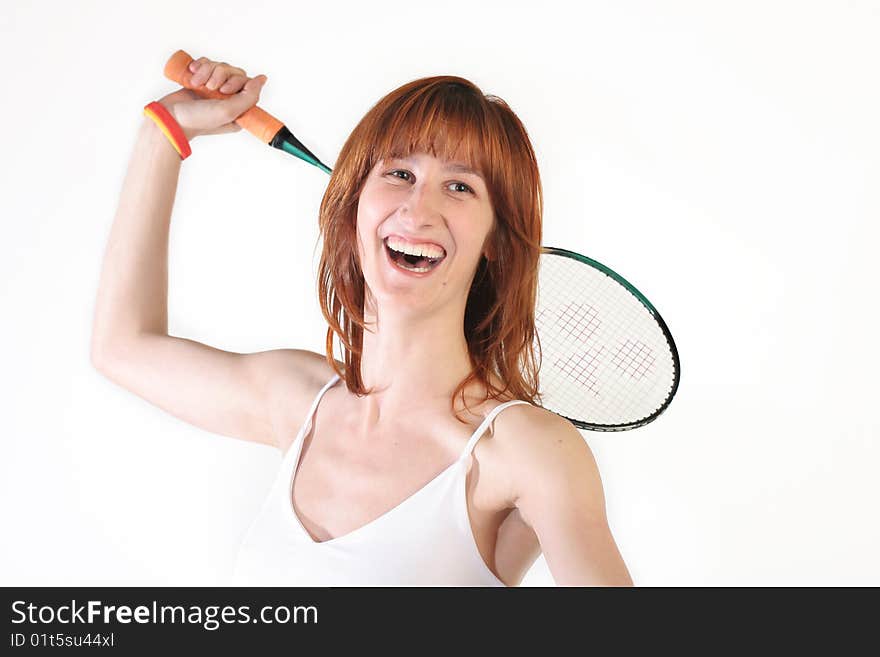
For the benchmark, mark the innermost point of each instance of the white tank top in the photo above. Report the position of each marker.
(426, 540)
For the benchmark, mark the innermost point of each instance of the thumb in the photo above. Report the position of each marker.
(228, 109)
(247, 96)
(254, 85)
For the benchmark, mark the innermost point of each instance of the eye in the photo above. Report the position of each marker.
(467, 189)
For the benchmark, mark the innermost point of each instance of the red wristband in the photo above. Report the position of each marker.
(170, 127)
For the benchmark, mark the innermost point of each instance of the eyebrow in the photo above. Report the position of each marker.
(463, 168)
(457, 167)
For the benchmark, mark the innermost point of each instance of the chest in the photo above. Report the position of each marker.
(342, 481)
(341, 484)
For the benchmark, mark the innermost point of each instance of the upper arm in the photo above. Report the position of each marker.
(558, 491)
(227, 393)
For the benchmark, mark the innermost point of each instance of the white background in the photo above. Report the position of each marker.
(722, 156)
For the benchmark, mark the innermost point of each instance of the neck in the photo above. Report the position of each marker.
(413, 363)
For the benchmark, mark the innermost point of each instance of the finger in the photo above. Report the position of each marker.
(222, 73)
(250, 92)
(234, 84)
(218, 77)
(226, 110)
(241, 102)
(234, 70)
(254, 85)
(196, 63)
(205, 71)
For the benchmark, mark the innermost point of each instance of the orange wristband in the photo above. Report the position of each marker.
(170, 127)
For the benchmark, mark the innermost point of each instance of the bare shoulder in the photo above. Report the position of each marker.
(548, 462)
(295, 376)
(298, 368)
(529, 431)
(558, 494)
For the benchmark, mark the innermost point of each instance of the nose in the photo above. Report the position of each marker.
(419, 208)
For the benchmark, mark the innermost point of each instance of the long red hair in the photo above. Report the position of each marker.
(452, 119)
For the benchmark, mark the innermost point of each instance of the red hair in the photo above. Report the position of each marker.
(452, 119)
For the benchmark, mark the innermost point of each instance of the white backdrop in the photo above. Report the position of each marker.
(723, 157)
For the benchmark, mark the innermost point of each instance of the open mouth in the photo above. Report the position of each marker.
(412, 263)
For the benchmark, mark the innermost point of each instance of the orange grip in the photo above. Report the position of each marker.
(256, 121)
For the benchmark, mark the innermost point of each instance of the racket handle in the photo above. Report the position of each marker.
(256, 121)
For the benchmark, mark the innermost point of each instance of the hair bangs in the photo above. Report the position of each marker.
(445, 120)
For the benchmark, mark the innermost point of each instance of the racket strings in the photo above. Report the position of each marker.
(605, 361)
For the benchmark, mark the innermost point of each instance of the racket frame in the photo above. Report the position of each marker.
(591, 426)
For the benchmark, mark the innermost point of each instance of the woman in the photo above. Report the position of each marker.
(432, 464)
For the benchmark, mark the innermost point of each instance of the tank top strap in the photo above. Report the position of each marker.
(308, 423)
(485, 424)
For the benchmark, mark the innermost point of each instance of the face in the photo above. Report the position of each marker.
(421, 200)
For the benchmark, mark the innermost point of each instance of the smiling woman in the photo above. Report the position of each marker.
(428, 277)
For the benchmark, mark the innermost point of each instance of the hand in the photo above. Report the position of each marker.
(207, 116)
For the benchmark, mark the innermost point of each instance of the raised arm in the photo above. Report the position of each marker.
(240, 395)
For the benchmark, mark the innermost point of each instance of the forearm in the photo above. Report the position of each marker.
(133, 289)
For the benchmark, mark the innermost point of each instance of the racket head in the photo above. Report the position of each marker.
(608, 360)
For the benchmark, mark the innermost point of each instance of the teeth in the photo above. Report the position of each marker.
(425, 250)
